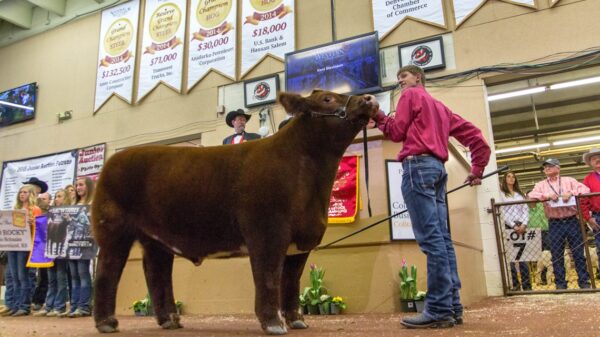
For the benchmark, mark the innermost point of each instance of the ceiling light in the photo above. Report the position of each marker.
(576, 140)
(16, 105)
(522, 148)
(524, 92)
(575, 83)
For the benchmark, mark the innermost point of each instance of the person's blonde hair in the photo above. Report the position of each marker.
(66, 200)
(71, 201)
(89, 192)
(32, 196)
(413, 70)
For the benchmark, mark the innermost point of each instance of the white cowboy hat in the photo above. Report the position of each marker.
(587, 156)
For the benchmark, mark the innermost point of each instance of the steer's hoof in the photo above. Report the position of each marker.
(276, 330)
(172, 323)
(108, 325)
(298, 324)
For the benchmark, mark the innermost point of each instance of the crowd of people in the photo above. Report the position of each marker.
(47, 291)
(559, 222)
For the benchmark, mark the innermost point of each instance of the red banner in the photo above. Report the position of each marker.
(343, 205)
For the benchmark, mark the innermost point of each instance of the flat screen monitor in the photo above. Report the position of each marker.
(349, 66)
(18, 104)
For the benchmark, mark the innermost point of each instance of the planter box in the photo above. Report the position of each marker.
(420, 305)
(407, 306)
(334, 309)
(312, 309)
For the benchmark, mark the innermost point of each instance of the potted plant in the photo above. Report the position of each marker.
(337, 305)
(179, 306)
(143, 307)
(408, 287)
(420, 301)
(312, 294)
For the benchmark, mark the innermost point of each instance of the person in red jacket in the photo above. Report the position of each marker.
(591, 206)
(424, 124)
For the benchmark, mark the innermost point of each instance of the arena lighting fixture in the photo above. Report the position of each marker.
(517, 93)
(575, 83)
(522, 148)
(16, 105)
(576, 140)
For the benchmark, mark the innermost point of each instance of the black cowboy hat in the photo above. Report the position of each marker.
(35, 181)
(233, 114)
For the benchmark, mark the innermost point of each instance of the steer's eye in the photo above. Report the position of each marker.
(327, 99)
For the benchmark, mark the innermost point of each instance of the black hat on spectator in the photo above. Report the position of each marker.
(35, 181)
(233, 114)
(551, 162)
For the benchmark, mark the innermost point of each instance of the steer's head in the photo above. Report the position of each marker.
(326, 104)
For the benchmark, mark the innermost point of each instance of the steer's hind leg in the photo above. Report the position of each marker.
(290, 289)
(111, 261)
(267, 264)
(158, 268)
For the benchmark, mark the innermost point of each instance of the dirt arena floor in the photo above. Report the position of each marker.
(566, 315)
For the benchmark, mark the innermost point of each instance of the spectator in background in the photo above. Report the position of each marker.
(41, 281)
(557, 193)
(591, 206)
(537, 219)
(516, 218)
(237, 119)
(72, 194)
(40, 186)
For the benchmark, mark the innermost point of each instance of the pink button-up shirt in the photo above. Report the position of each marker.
(424, 124)
(549, 187)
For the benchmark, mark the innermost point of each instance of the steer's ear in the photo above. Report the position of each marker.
(293, 104)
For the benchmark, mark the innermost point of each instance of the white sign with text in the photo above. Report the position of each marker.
(400, 226)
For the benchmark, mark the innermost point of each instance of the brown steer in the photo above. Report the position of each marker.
(267, 199)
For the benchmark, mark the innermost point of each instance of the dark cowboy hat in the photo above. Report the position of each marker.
(593, 152)
(233, 114)
(35, 181)
(551, 162)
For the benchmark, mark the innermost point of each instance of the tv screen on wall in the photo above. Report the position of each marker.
(18, 104)
(349, 66)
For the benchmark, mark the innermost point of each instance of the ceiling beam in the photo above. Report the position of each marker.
(57, 7)
(17, 12)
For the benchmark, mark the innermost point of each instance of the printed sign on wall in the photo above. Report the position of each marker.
(463, 9)
(162, 45)
(15, 234)
(387, 14)
(400, 225)
(90, 160)
(268, 28)
(212, 39)
(116, 60)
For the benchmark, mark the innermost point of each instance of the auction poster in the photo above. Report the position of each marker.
(343, 205)
(116, 60)
(57, 170)
(400, 225)
(268, 28)
(212, 39)
(90, 160)
(15, 234)
(387, 14)
(70, 234)
(162, 56)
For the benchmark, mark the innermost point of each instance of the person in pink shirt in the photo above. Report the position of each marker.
(591, 206)
(424, 125)
(557, 193)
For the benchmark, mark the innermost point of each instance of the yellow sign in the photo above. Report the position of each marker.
(265, 5)
(164, 22)
(118, 37)
(210, 13)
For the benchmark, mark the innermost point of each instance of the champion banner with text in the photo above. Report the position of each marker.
(343, 205)
(15, 234)
(57, 170)
(117, 47)
(387, 14)
(212, 43)
(463, 9)
(267, 28)
(162, 56)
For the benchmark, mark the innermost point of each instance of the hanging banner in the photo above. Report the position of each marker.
(463, 9)
(57, 170)
(212, 39)
(15, 235)
(343, 205)
(162, 45)
(90, 160)
(268, 28)
(388, 14)
(116, 60)
(69, 233)
(36, 256)
(400, 225)
(553, 2)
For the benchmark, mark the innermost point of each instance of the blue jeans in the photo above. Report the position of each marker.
(56, 297)
(9, 292)
(558, 231)
(81, 283)
(596, 215)
(17, 262)
(424, 190)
